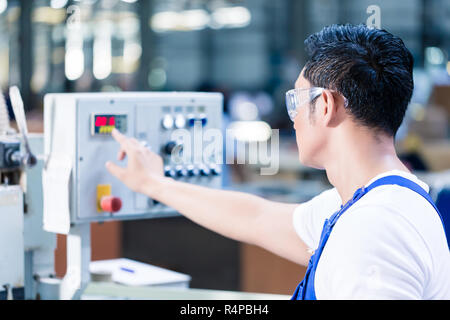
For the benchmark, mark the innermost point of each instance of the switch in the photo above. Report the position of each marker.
(180, 121)
(103, 190)
(167, 122)
(181, 172)
(105, 201)
(192, 171)
(203, 119)
(169, 172)
(169, 147)
(172, 147)
(10, 156)
(110, 204)
(204, 171)
(191, 120)
(215, 169)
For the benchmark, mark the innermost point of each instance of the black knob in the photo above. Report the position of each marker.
(181, 172)
(13, 158)
(205, 171)
(215, 170)
(192, 171)
(169, 172)
(169, 147)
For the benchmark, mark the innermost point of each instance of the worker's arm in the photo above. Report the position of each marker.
(236, 215)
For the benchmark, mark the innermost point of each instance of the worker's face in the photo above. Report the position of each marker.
(307, 125)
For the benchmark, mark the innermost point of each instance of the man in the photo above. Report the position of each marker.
(387, 241)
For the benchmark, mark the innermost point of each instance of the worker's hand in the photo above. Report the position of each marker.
(145, 168)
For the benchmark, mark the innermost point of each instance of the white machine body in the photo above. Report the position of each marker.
(11, 237)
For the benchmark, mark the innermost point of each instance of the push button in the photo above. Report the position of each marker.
(167, 122)
(205, 171)
(203, 119)
(181, 172)
(169, 172)
(180, 121)
(192, 171)
(191, 120)
(169, 147)
(110, 204)
(215, 169)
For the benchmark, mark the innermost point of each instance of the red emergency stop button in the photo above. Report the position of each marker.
(110, 204)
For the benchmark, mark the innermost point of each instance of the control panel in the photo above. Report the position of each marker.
(77, 134)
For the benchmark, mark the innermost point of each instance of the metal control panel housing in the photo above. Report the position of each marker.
(77, 127)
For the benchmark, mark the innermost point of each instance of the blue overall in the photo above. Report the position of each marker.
(305, 290)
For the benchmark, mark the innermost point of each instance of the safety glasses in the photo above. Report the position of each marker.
(296, 98)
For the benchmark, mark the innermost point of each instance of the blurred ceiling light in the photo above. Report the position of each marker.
(434, 55)
(129, 62)
(48, 15)
(187, 20)
(157, 78)
(4, 68)
(129, 1)
(74, 66)
(128, 27)
(246, 111)
(102, 50)
(102, 65)
(13, 14)
(164, 21)
(3, 5)
(39, 78)
(108, 4)
(86, 2)
(195, 19)
(131, 51)
(250, 131)
(230, 17)
(58, 4)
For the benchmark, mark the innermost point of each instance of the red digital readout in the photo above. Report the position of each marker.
(100, 121)
(104, 124)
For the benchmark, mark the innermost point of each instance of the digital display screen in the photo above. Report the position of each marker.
(103, 124)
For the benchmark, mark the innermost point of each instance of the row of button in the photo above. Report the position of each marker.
(179, 121)
(192, 171)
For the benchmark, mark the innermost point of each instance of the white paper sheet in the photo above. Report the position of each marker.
(134, 273)
(55, 184)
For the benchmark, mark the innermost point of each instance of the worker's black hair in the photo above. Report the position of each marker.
(370, 67)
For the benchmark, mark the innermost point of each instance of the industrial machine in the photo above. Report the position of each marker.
(78, 190)
(27, 251)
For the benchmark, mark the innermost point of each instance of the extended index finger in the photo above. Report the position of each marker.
(119, 137)
(123, 140)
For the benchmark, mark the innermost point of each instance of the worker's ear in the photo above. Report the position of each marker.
(330, 109)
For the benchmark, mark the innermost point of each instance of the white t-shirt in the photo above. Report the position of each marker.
(390, 244)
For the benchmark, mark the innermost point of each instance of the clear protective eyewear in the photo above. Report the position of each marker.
(296, 98)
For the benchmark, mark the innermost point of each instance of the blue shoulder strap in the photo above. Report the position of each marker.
(403, 182)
